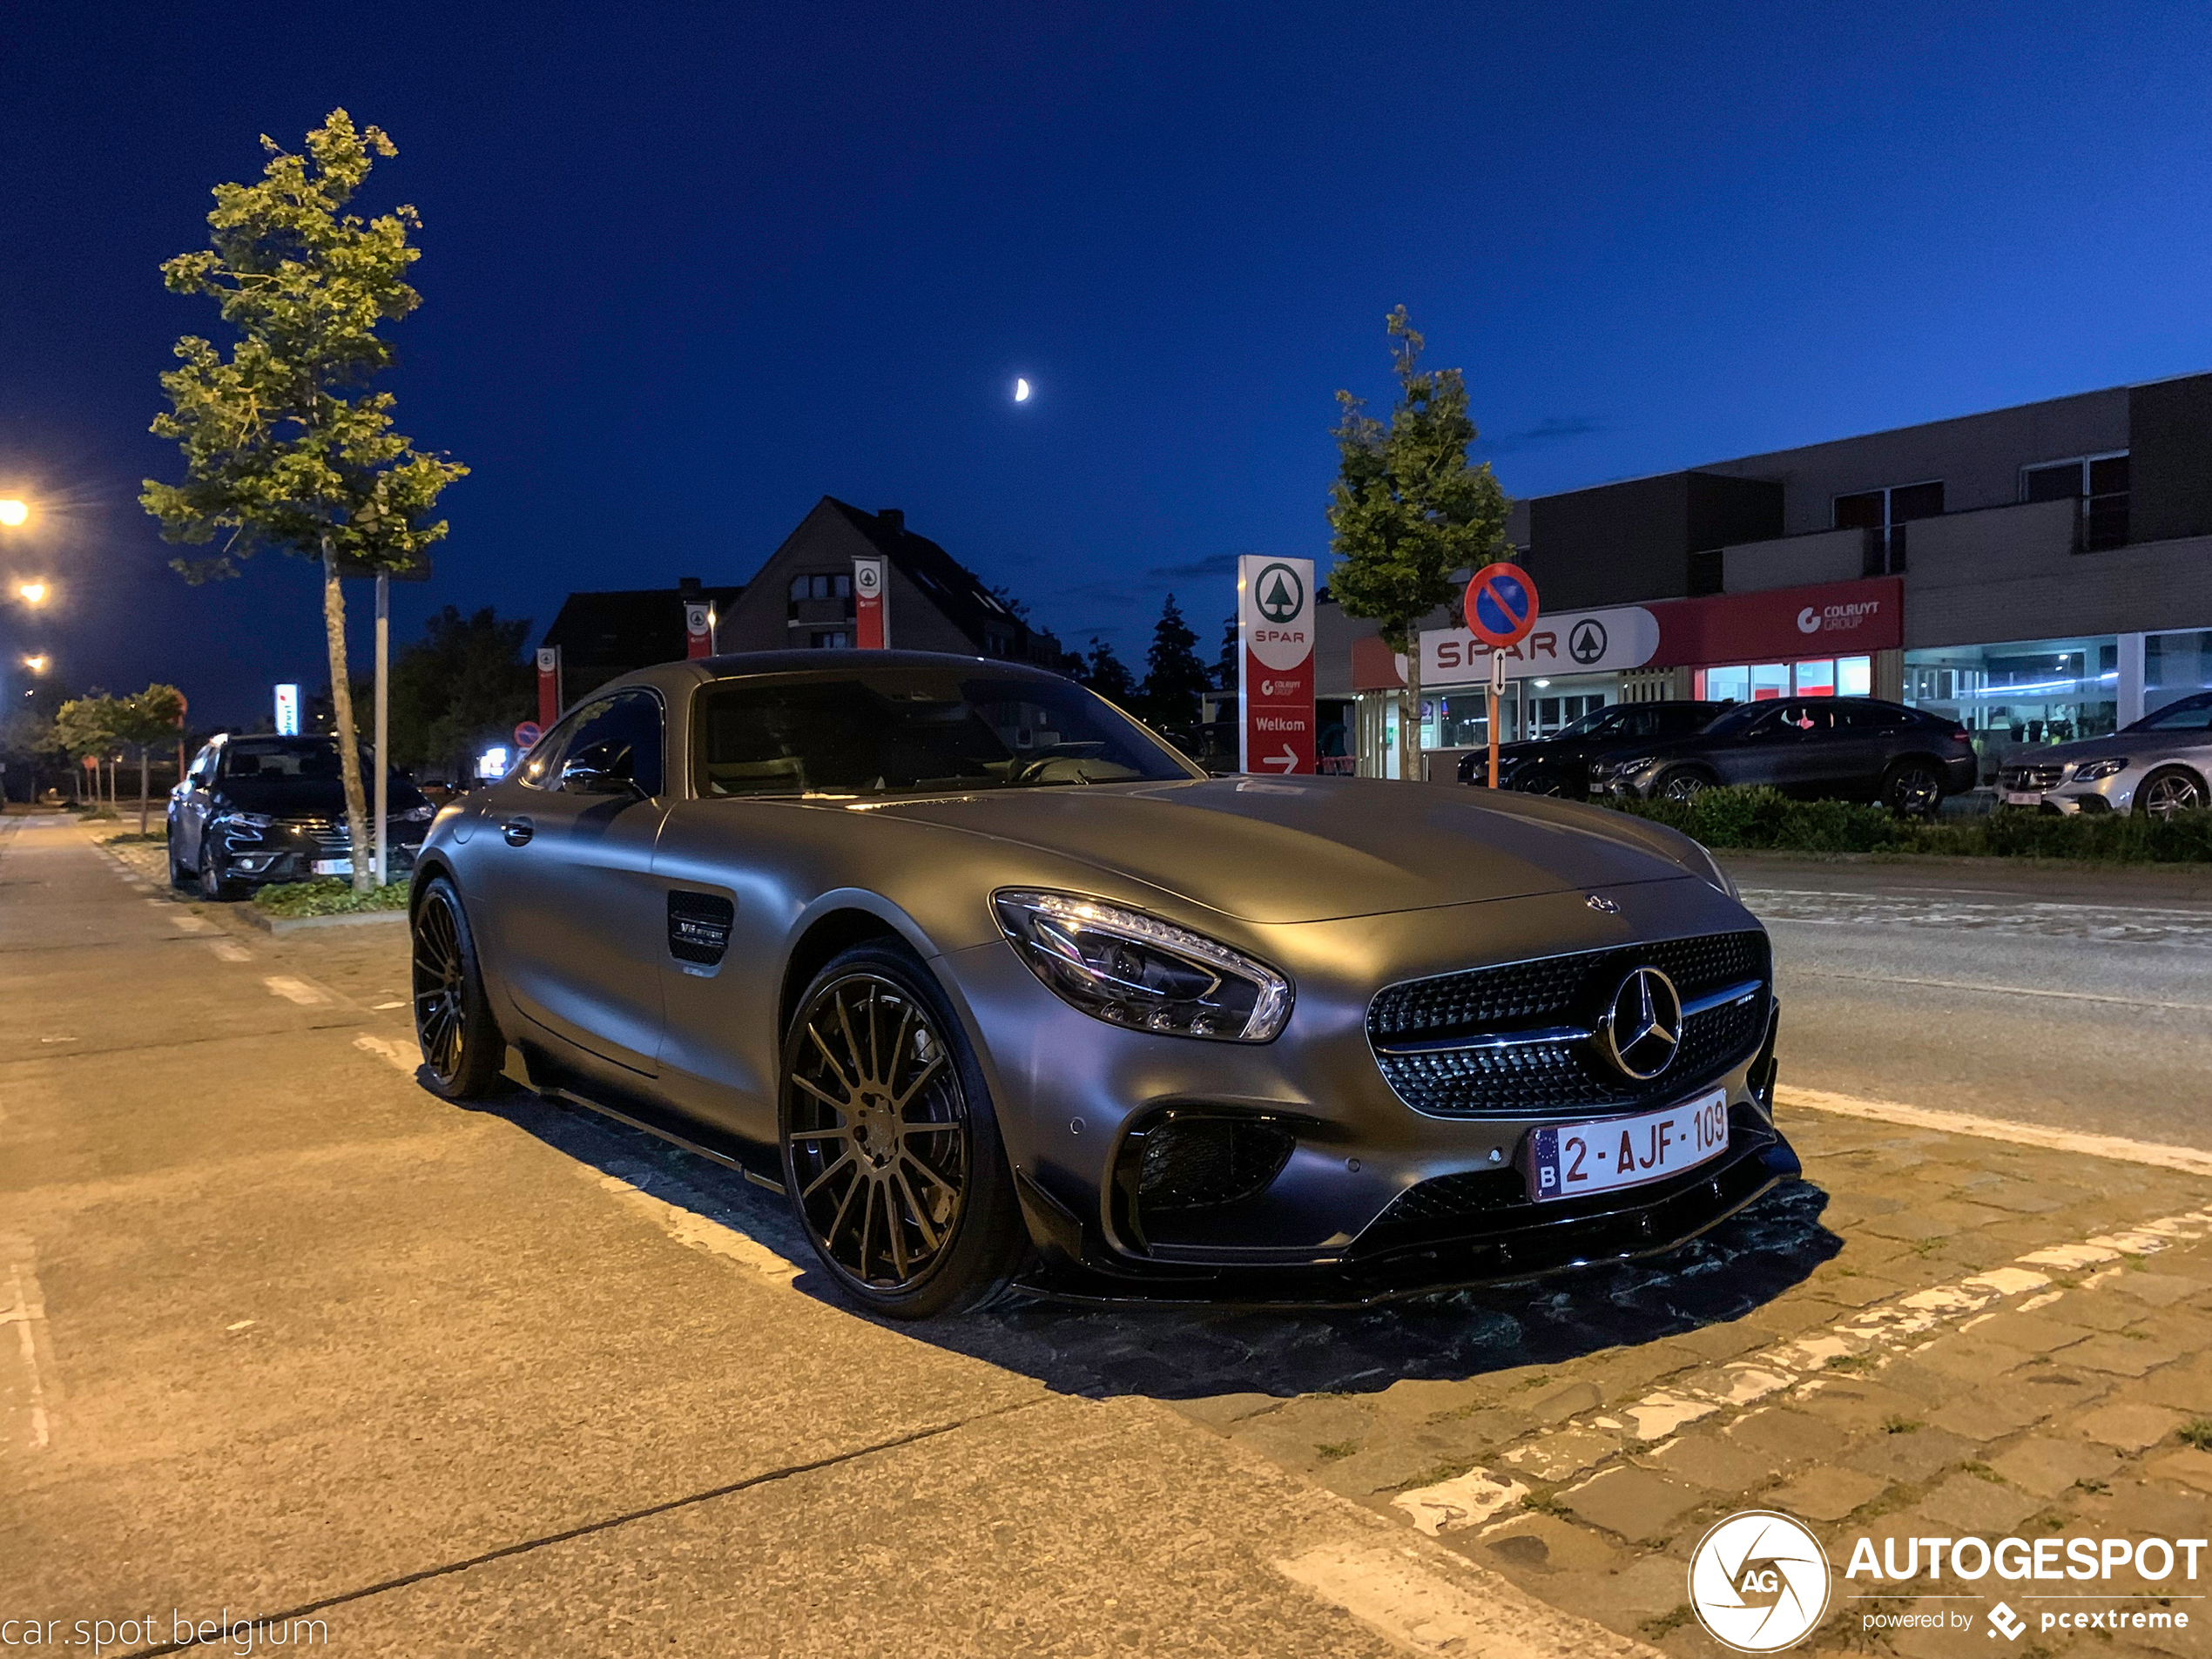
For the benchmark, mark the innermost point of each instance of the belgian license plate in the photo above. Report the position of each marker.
(2022, 798)
(334, 866)
(1570, 1159)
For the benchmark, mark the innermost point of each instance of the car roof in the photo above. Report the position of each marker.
(695, 671)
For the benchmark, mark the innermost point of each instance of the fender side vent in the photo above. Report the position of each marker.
(698, 927)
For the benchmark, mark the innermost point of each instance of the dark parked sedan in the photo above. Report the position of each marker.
(1847, 748)
(999, 988)
(1560, 764)
(251, 810)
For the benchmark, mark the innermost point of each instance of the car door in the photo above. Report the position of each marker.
(567, 877)
(193, 805)
(1871, 735)
(1767, 753)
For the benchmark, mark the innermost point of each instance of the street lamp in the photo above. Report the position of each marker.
(37, 664)
(13, 512)
(33, 593)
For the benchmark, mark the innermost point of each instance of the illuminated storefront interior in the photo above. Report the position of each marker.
(1762, 682)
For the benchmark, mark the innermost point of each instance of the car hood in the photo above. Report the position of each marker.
(310, 797)
(1320, 848)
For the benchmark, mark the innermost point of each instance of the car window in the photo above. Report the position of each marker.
(203, 765)
(282, 759)
(620, 735)
(896, 731)
(2191, 714)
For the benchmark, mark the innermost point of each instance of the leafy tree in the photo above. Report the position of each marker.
(462, 686)
(284, 446)
(155, 715)
(1224, 668)
(89, 727)
(1107, 674)
(1407, 511)
(1175, 678)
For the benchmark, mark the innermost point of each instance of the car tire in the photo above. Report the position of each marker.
(462, 1048)
(1682, 784)
(2169, 789)
(1912, 787)
(179, 876)
(214, 885)
(908, 1136)
(1543, 783)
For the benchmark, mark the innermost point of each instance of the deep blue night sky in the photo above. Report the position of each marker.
(686, 270)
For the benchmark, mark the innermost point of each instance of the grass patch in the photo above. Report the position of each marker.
(1330, 1451)
(1896, 1424)
(133, 837)
(2197, 1431)
(1437, 1473)
(1768, 820)
(328, 895)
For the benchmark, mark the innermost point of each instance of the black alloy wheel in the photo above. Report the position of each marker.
(1682, 784)
(463, 1049)
(2164, 794)
(891, 1153)
(1913, 789)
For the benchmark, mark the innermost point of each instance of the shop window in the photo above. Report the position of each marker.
(837, 640)
(1817, 680)
(2175, 666)
(1770, 680)
(1854, 676)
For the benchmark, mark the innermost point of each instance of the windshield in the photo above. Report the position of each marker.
(1589, 725)
(908, 731)
(287, 760)
(2191, 714)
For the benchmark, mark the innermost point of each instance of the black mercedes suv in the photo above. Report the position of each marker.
(1560, 764)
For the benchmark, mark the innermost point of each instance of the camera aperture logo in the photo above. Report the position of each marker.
(1759, 1582)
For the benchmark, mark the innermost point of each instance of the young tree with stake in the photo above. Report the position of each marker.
(1407, 511)
(284, 446)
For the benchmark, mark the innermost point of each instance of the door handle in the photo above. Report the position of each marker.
(517, 831)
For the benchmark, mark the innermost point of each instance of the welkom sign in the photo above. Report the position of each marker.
(1275, 664)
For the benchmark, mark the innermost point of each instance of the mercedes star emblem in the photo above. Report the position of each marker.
(1640, 1029)
(1602, 904)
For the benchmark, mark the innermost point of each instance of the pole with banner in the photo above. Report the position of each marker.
(698, 629)
(1275, 665)
(1499, 609)
(548, 684)
(871, 605)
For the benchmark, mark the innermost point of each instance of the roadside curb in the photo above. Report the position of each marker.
(269, 924)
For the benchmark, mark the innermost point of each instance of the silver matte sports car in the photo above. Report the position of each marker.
(1000, 988)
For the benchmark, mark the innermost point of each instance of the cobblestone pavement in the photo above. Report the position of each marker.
(1932, 1335)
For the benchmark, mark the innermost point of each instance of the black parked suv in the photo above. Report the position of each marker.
(1848, 748)
(254, 810)
(1560, 764)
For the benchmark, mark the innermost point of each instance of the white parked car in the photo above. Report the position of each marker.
(2162, 764)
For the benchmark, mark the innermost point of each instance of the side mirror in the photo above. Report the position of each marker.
(582, 777)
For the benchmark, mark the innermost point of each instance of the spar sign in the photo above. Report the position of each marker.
(1275, 664)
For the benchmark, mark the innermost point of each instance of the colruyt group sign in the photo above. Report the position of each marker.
(1573, 642)
(1275, 664)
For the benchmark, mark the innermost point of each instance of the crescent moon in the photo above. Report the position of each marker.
(1021, 391)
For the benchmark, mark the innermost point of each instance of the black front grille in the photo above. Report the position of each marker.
(1564, 1074)
(329, 836)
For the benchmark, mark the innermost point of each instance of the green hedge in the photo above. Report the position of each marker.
(328, 895)
(1766, 819)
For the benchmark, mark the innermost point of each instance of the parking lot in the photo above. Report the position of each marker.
(295, 1338)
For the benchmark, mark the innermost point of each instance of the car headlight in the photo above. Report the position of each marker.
(246, 820)
(1623, 768)
(421, 814)
(1130, 969)
(2088, 771)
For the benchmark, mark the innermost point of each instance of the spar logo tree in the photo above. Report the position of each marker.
(1407, 511)
(285, 447)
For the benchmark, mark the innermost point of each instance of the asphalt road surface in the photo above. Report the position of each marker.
(2076, 1000)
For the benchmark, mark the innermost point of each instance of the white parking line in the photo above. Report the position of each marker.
(2186, 1159)
(297, 990)
(403, 1055)
(1872, 1336)
(1395, 1593)
(25, 1309)
(189, 923)
(229, 950)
